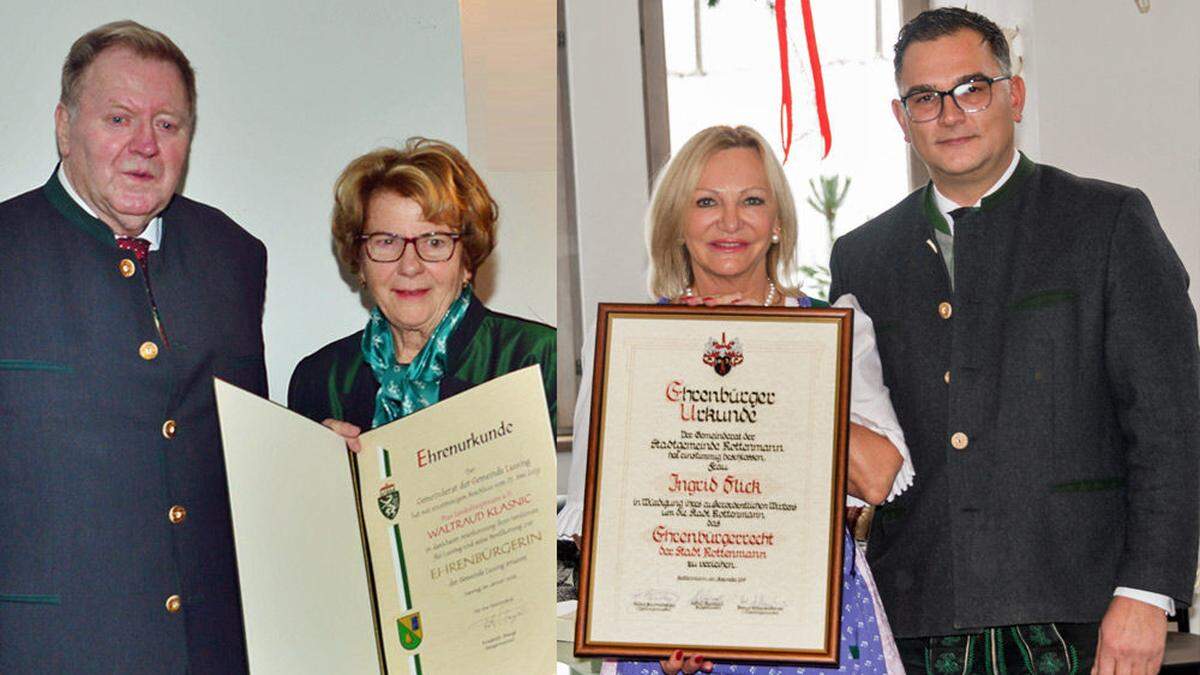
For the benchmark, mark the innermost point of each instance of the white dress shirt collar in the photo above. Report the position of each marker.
(152, 233)
(946, 205)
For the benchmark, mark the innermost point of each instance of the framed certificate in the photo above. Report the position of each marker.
(716, 483)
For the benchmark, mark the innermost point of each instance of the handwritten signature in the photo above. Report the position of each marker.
(499, 618)
(760, 604)
(706, 599)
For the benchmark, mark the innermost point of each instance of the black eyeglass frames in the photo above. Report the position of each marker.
(972, 96)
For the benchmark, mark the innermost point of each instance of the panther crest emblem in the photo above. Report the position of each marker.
(723, 355)
(389, 501)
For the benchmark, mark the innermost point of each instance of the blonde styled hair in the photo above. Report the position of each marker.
(433, 174)
(145, 42)
(670, 264)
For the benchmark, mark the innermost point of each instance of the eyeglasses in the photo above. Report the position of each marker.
(971, 97)
(386, 247)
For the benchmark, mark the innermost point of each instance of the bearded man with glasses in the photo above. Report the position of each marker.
(1041, 352)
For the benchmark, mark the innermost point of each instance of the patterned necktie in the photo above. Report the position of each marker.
(139, 246)
(141, 250)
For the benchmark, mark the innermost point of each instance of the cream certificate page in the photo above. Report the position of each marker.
(432, 551)
(715, 483)
(306, 604)
(458, 503)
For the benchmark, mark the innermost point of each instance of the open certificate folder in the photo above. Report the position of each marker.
(430, 552)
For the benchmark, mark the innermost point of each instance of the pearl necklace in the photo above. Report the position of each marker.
(688, 293)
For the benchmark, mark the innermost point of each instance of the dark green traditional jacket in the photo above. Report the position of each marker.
(105, 427)
(336, 382)
(1050, 399)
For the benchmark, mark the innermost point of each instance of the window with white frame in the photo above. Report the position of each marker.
(722, 64)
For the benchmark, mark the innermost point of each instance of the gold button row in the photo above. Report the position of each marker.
(174, 604)
(959, 440)
(147, 350)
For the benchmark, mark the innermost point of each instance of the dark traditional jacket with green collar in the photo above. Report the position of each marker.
(336, 382)
(1050, 401)
(90, 467)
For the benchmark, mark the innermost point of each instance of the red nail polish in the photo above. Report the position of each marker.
(697, 659)
(678, 655)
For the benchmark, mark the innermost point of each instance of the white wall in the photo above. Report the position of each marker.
(289, 92)
(604, 61)
(604, 77)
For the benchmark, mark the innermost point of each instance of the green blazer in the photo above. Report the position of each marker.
(335, 382)
(98, 443)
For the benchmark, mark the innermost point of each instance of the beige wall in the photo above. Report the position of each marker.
(509, 82)
(611, 182)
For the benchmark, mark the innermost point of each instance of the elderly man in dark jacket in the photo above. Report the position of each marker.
(120, 300)
(1040, 347)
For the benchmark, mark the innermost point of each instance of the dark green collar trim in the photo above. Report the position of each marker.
(1010, 187)
(352, 371)
(62, 202)
(1024, 169)
(935, 217)
(336, 410)
(335, 401)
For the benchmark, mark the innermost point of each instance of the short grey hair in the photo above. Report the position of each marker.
(143, 41)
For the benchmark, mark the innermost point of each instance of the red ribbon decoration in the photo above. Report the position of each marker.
(785, 106)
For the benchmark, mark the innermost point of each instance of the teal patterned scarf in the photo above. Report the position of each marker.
(407, 388)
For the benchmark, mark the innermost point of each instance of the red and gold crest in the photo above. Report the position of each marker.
(723, 355)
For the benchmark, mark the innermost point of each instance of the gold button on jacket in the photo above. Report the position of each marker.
(945, 310)
(176, 514)
(168, 429)
(148, 350)
(946, 377)
(959, 441)
(174, 604)
(127, 268)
